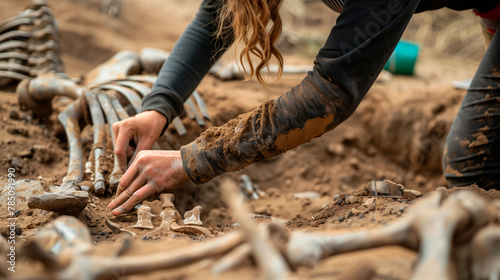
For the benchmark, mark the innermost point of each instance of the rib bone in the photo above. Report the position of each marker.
(111, 116)
(99, 141)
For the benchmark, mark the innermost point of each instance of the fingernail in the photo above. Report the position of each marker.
(107, 207)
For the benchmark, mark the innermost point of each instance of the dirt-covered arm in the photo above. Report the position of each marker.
(193, 55)
(356, 50)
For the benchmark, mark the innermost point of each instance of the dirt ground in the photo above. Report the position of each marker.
(397, 134)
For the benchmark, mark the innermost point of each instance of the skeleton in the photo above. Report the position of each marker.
(144, 216)
(29, 44)
(101, 95)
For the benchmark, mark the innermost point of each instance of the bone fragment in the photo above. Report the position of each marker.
(189, 229)
(192, 217)
(144, 216)
(168, 200)
(65, 201)
(115, 227)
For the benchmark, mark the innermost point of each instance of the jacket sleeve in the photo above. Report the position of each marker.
(193, 55)
(354, 54)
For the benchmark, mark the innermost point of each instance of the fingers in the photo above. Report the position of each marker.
(144, 144)
(138, 196)
(121, 144)
(127, 178)
(127, 192)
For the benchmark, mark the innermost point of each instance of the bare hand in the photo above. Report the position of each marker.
(150, 173)
(135, 134)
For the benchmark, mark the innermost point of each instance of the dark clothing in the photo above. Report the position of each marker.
(472, 151)
(354, 54)
(193, 55)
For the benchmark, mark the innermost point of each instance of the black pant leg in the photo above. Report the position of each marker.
(472, 150)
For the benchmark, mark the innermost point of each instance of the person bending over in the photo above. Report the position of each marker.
(357, 48)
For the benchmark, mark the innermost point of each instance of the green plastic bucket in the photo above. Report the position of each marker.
(403, 59)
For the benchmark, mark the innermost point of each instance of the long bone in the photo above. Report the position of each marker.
(232, 259)
(267, 255)
(485, 251)
(460, 216)
(111, 116)
(69, 118)
(63, 246)
(86, 267)
(99, 140)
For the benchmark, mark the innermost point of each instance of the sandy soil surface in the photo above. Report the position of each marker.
(397, 134)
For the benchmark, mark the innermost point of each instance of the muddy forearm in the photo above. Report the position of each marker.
(305, 112)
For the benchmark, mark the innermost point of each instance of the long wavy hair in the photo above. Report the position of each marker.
(248, 21)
